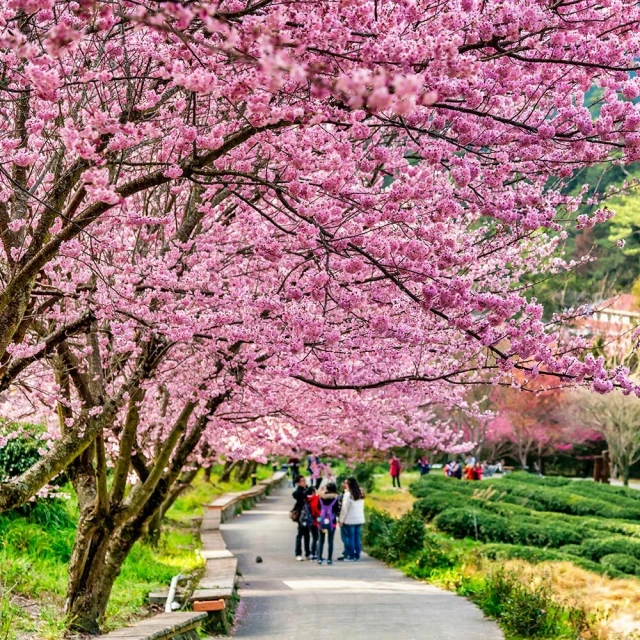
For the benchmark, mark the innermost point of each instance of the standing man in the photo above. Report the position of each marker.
(301, 514)
(394, 469)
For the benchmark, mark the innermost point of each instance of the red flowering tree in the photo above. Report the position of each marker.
(532, 425)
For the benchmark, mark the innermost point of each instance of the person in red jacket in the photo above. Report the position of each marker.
(314, 504)
(394, 469)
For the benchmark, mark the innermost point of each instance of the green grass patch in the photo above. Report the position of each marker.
(35, 547)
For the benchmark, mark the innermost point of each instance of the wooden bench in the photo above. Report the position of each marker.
(221, 567)
(181, 625)
(226, 505)
(274, 481)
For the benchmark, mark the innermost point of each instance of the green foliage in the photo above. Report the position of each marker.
(389, 539)
(597, 549)
(621, 562)
(534, 555)
(537, 519)
(489, 527)
(437, 554)
(407, 535)
(474, 523)
(528, 478)
(437, 502)
(376, 531)
(363, 472)
(21, 449)
(528, 611)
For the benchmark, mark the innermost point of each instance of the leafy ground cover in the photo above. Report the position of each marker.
(547, 558)
(35, 547)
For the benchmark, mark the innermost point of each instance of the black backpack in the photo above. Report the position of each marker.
(306, 518)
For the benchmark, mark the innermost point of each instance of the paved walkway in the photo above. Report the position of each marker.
(285, 599)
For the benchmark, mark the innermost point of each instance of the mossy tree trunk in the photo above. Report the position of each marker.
(110, 526)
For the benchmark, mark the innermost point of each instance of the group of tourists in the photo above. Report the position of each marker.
(471, 469)
(317, 471)
(320, 511)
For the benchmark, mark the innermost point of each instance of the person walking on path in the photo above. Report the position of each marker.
(352, 519)
(394, 469)
(316, 473)
(293, 466)
(302, 515)
(327, 520)
(423, 466)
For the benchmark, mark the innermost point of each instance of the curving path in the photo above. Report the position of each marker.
(285, 599)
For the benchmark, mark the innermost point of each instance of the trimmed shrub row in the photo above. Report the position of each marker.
(490, 527)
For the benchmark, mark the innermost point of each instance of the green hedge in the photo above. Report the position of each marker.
(621, 562)
(391, 539)
(600, 547)
(490, 527)
(439, 501)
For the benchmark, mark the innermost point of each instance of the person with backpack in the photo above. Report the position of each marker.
(328, 520)
(394, 469)
(352, 519)
(301, 514)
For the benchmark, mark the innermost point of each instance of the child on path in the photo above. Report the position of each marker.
(314, 505)
(327, 520)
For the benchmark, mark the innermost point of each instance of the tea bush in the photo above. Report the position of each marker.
(389, 539)
(527, 611)
(536, 519)
(621, 562)
(598, 548)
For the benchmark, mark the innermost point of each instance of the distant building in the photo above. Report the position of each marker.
(613, 321)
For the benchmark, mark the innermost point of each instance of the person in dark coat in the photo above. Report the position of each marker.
(304, 528)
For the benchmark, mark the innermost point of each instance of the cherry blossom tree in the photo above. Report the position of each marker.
(207, 209)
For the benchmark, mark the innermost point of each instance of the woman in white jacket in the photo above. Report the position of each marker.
(352, 519)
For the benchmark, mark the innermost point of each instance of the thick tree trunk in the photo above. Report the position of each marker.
(96, 563)
(247, 468)
(626, 474)
(229, 466)
(104, 541)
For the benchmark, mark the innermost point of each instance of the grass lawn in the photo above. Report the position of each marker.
(389, 498)
(35, 547)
